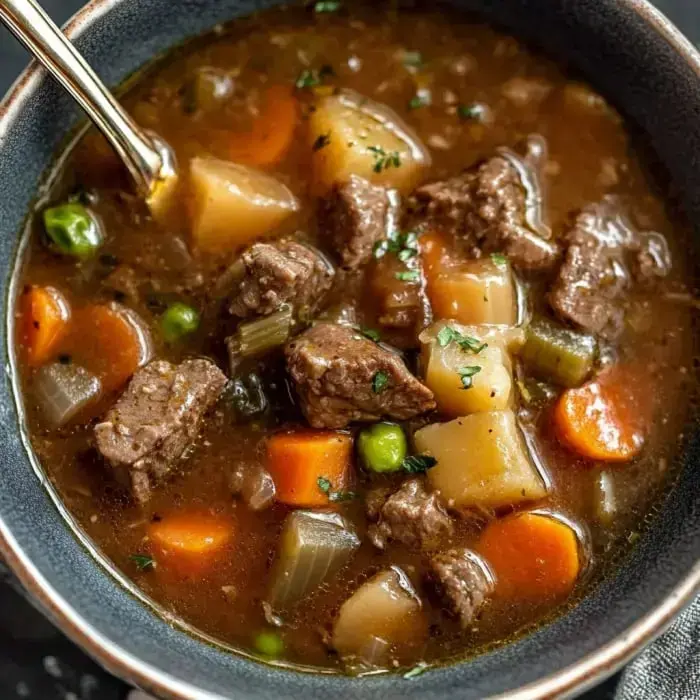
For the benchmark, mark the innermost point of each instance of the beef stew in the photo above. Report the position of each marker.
(376, 393)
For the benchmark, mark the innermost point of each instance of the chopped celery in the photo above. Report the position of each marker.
(313, 546)
(559, 354)
(256, 337)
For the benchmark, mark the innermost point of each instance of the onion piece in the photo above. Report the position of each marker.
(385, 608)
(63, 391)
(313, 547)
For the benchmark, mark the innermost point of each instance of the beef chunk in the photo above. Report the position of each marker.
(604, 256)
(342, 377)
(157, 419)
(354, 216)
(493, 207)
(410, 515)
(283, 272)
(463, 580)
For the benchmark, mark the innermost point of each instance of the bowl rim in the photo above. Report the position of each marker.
(567, 682)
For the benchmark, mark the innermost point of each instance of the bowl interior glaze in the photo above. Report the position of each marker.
(648, 71)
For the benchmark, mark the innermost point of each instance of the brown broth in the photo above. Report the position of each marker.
(590, 155)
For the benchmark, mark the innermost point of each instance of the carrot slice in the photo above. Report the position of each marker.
(111, 341)
(533, 556)
(187, 543)
(309, 467)
(44, 317)
(273, 131)
(603, 419)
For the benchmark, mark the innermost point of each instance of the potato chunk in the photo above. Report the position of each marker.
(482, 460)
(233, 204)
(364, 138)
(480, 291)
(444, 357)
(384, 609)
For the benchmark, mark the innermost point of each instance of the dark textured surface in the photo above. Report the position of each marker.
(646, 81)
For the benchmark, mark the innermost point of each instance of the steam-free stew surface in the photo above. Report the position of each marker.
(251, 94)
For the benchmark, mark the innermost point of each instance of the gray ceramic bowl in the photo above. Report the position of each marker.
(645, 67)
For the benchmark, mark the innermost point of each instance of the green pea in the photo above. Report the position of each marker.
(382, 447)
(269, 644)
(177, 321)
(73, 230)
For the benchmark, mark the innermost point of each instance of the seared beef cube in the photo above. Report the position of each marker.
(604, 255)
(464, 581)
(283, 272)
(342, 376)
(410, 515)
(154, 423)
(354, 216)
(491, 209)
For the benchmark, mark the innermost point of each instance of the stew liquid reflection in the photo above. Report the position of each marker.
(402, 372)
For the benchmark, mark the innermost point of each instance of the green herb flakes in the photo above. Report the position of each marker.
(500, 259)
(384, 160)
(418, 464)
(371, 334)
(468, 343)
(327, 7)
(417, 670)
(143, 562)
(380, 381)
(408, 276)
(466, 374)
(324, 484)
(472, 113)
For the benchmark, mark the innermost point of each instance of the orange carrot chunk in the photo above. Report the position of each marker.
(272, 132)
(111, 341)
(533, 556)
(44, 318)
(603, 420)
(187, 543)
(310, 468)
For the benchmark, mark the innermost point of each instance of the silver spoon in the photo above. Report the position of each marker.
(148, 158)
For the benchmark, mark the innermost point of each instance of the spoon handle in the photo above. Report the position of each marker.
(33, 27)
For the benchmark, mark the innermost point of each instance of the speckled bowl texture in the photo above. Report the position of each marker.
(630, 53)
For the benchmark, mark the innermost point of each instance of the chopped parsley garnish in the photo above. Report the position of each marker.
(421, 99)
(474, 112)
(417, 670)
(405, 245)
(143, 562)
(449, 335)
(326, 487)
(380, 381)
(310, 77)
(408, 276)
(370, 333)
(324, 484)
(327, 6)
(412, 59)
(321, 142)
(384, 160)
(466, 374)
(418, 464)
(499, 259)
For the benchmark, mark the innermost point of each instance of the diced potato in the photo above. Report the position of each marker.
(492, 385)
(481, 291)
(482, 460)
(313, 546)
(367, 139)
(233, 204)
(384, 608)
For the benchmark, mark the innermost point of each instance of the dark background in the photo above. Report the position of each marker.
(36, 661)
